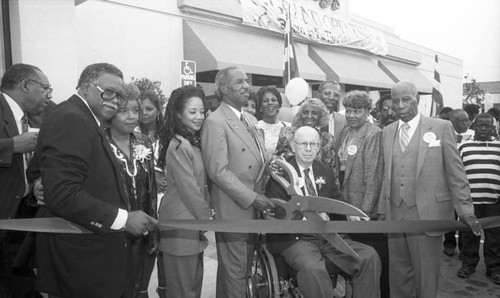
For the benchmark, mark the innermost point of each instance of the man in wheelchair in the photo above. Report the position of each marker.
(306, 253)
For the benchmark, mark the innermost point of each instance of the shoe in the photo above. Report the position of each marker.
(449, 251)
(465, 272)
(494, 277)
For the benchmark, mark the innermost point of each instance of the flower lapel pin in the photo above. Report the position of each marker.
(320, 182)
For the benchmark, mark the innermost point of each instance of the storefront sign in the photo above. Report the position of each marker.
(313, 23)
(188, 73)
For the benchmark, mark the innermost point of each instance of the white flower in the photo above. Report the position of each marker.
(141, 152)
(320, 181)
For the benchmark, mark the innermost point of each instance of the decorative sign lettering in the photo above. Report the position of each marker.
(312, 23)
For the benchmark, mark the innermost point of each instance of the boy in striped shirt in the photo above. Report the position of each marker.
(481, 159)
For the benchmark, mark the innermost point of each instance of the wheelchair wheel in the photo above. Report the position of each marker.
(262, 277)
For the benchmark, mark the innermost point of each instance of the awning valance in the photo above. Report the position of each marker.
(215, 47)
(404, 72)
(350, 67)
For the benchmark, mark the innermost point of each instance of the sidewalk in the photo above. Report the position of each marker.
(451, 286)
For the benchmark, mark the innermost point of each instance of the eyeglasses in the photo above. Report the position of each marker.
(45, 87)
(335, 94)
(109, 95)
(304, 145)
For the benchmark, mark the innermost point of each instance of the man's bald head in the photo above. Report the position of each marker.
(460, 120)
(405, 100)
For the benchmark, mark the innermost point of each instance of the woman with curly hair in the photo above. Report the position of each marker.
(186, 196)
(311, 113)
(134, 154)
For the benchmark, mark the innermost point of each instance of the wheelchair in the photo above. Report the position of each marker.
(269, 276)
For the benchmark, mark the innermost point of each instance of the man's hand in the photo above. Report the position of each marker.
(471, 220)
(25, 142)
(273, 167)
(262, 203)
(38, 192)
(139, 223)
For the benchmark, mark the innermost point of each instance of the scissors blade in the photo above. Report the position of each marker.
(322, 204)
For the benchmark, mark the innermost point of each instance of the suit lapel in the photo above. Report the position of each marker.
(423, 147)
(241, 131)
(10, 126)
(392, 131)
(121, 184)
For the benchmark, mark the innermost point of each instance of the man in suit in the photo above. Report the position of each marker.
(233, 153)
(25, 92)
(305, 253)
(82, 183)
(424, 179)
(329, 94)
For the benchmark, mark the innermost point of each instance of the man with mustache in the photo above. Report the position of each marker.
(82, 183)
(234, 156)
(25, 92)
(387, 115)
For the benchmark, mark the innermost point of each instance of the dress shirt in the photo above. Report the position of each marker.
(413, 126)
(311, 176)
(122, 216)
(331, 125)
(18, 113)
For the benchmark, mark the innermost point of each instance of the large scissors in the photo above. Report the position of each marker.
(309, 206)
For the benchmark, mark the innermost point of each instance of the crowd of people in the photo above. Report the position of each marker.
(110, 160)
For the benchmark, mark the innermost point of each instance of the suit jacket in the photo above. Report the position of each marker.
(277, 243)
(82, 184)
(339, 122)
(186, 197)
(12, 184)
(441, 184)
(233, 163)
(362, 178)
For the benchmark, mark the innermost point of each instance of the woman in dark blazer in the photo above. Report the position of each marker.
(186, 196)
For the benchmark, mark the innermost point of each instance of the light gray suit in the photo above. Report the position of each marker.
(235, 166)
(439, 186)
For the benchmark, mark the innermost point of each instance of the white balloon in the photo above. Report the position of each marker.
(296, 90)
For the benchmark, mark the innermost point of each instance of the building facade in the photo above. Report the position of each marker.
(150, 38)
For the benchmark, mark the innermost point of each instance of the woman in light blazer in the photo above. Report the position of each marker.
(186, 196)
(362, 160)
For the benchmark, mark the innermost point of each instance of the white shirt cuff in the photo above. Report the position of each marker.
(120, 220)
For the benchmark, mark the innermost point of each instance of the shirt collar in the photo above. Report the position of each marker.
(413, 122)
(87, 104)
(301, 169)
(16, 109)
(238, 113)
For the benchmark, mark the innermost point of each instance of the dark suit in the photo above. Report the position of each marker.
(12, 201)
(304, 253)
(235, 166)
(82, 184)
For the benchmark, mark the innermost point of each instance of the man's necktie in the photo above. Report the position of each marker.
(249, 129)
(404, 138)
(459, 139)
(24, 127)
(308, 183)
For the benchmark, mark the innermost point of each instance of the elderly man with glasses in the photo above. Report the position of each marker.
(82, 183)
(306, 253)
(330, 94)
(25, 92)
